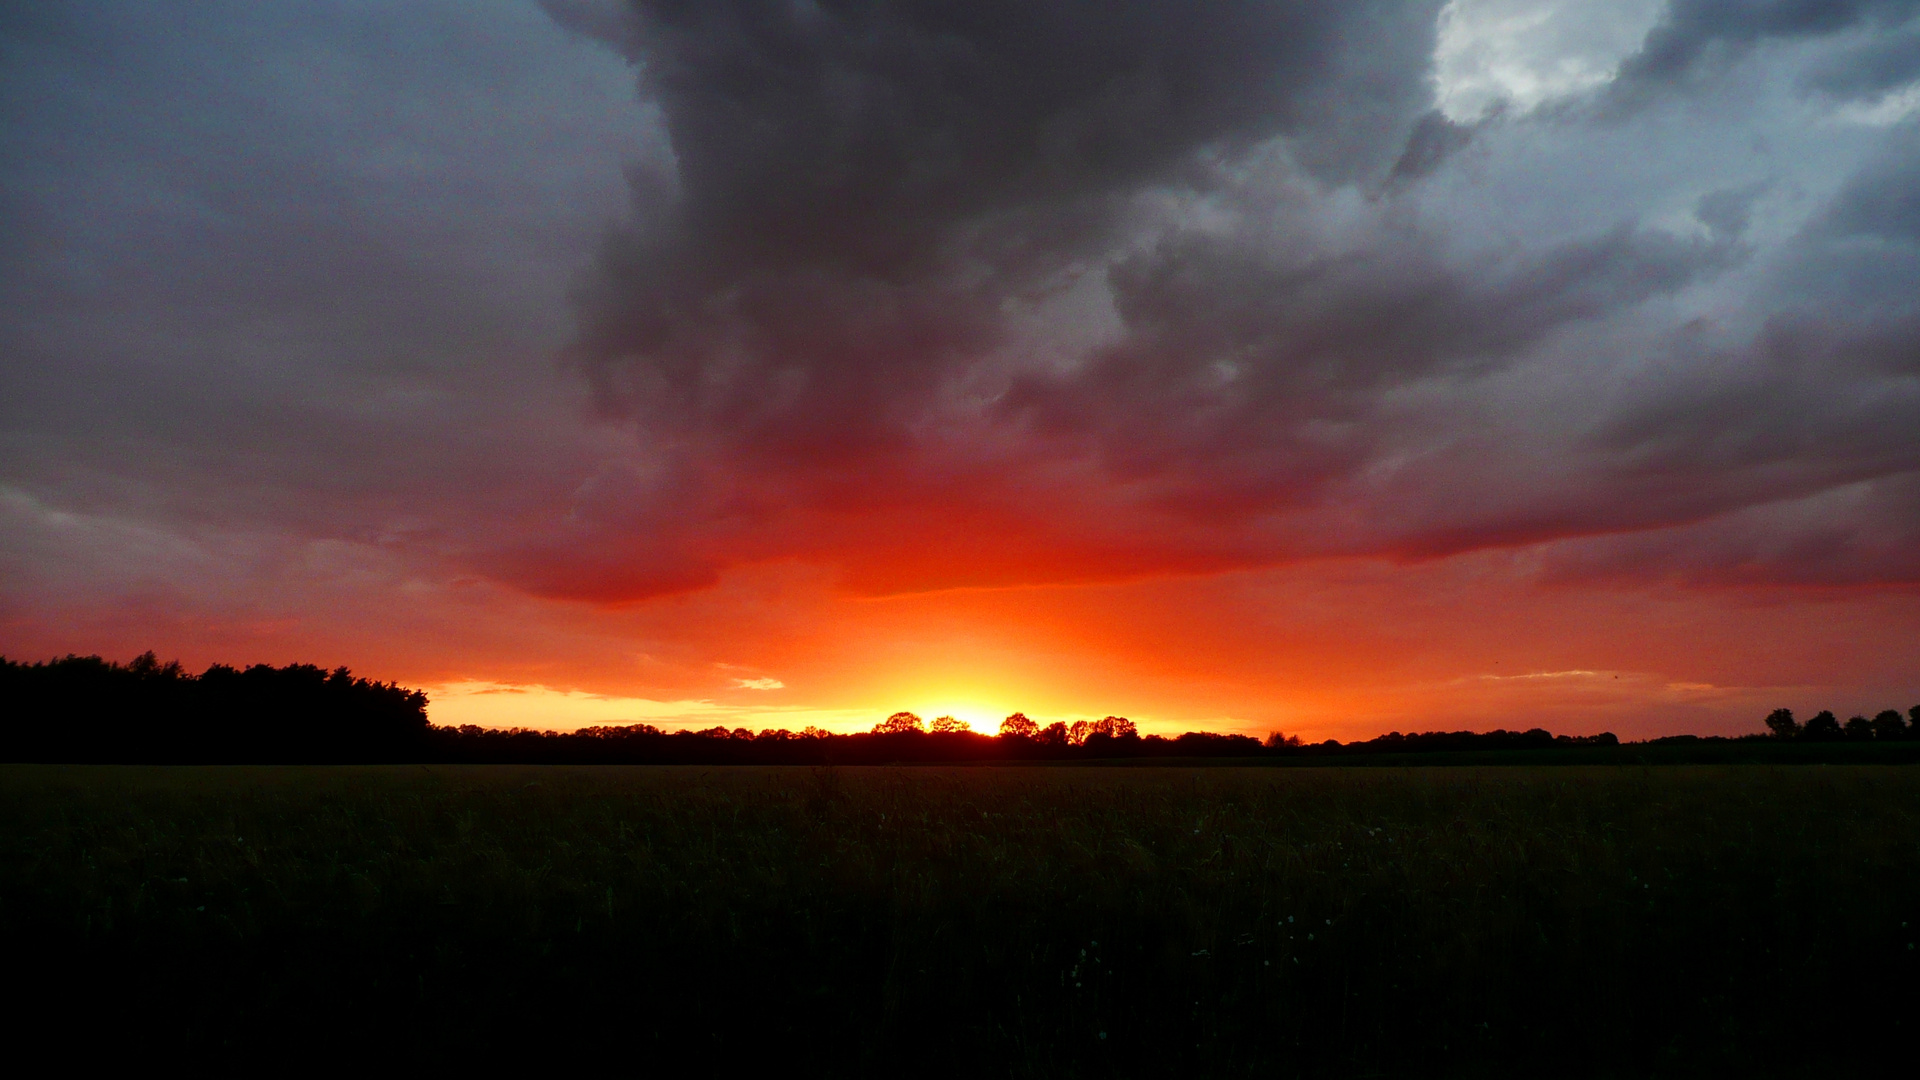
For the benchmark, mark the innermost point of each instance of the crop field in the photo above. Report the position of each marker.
(974, 921)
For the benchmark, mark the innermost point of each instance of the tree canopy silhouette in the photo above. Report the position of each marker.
(900, 723)
(1886, 726)
(84, 708)
(1019, 727)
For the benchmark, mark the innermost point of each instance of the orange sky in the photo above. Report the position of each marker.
(1329, 368)
(1345, 648)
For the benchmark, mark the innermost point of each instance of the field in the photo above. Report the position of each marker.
(975, 921)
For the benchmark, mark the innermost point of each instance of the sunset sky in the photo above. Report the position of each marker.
(1327, 367)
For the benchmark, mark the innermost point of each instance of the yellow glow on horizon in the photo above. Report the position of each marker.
(984, 719)
(509, 705)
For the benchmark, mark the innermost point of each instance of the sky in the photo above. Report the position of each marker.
(1323, 368)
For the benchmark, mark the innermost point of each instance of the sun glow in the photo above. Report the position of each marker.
(984, 719)
(505, 705)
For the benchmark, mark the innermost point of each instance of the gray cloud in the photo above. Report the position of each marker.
(859, 135)
(300, 269)
(862, 187)
(1853, 535)
(1433, 139)
(952, 294)
(1881, 203)
(1254, 381)
(1880, 63)
(1695, 39)
(812, 314)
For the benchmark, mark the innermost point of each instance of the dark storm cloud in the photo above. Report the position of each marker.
(1434, 139)
(1881, 203)
(1876, 65)
(1696, 38)
(862, 187)
(1805, 432)
(812, 312)
(1825, 392)
(860, 135)
(1856, 535)
(295, 271)
(1250, 379)
(945, 294)
(817, 309)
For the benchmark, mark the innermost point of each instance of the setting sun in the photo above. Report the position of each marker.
(522, 522)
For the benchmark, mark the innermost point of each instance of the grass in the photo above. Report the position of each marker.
(985, 921)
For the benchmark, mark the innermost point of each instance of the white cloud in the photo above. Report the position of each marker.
(1524, 52)
(1887, 110)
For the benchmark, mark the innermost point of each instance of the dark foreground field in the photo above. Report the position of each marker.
(1024, 922)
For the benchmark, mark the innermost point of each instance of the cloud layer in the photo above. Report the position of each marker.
(1112, 290)
(593, 308)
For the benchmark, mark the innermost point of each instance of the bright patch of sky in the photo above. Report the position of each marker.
(1885, 111)
(505, 705)
(1525, 52)
(530, 705)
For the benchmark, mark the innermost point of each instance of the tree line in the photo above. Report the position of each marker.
(86, 709)
(1887, 725)
(902, 737)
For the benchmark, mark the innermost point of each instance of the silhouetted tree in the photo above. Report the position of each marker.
(897, 724)
(148, 666)
(1858, 728)
(1888, 725)
(89, 709)
(1824, 727)
(1111, 735)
